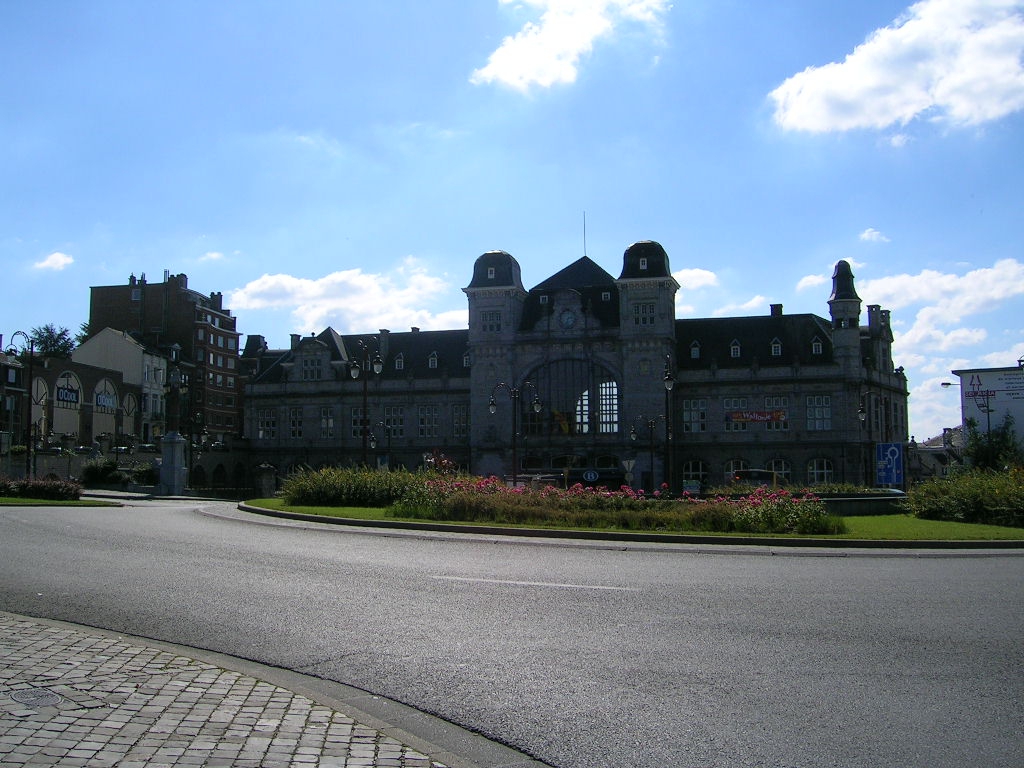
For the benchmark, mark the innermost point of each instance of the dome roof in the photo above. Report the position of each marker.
(842, 283)
(494, 269)
(645, 258)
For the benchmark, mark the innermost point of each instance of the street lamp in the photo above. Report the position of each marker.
(669, 381)
(373, 439)
(376, 364)
(28, 396)
(513, 393)
(651, 424)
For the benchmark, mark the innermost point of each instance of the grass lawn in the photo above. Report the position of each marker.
(875, 527)
(14, 501)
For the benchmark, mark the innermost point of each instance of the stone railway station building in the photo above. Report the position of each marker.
(587, 377)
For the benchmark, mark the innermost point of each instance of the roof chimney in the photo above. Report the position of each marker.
(776, 310)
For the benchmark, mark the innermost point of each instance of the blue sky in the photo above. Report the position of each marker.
(344, 163)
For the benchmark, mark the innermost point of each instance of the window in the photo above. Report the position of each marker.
(734, 349)
(266, 423)
(465, 360)
(695, 415)
(819, 471)
(695, 351)
(490, 273)
(295, 423)
(232, 343)
(777, 413)
(732, 467)
(783, 469)
(816, 347)
(491, 321)
(394, 420)
(229, 382)
(693, 475)
(326, 422)
(819, 412)
(399, 362)
(199, 334)
(643, 313)
(460, 422)
(312, 369)
(736, 416)
(776, 348)
(432, 360)
(543, 299)
(606, 295)
(429, 420)
(643, 263)
(357, 422)
(608, 407)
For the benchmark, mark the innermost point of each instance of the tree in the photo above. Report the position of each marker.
(52, 341)
(83, 334)
(995, 448)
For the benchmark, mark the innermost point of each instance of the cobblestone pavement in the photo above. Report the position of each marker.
(70, 697)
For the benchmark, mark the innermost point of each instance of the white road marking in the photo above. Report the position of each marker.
(535, 584)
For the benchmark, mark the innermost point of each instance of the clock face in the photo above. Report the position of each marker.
(567, 319)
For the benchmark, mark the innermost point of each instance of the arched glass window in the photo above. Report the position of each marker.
(819, 471)
(734, 348)
(578, 398)
(783, 469)
(733, 466)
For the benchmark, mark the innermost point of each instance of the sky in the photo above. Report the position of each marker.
(344, 163)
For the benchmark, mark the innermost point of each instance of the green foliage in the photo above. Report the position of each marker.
(348, 487)
(996, 448)
(103, 472)
(52, 341)
(974, 496)
(488, 501)
(52, 490)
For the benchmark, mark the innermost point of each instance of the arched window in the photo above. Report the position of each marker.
(819, 471)
(816, 346)
(695, 350)
(783, 469)
(776, 348)
(693, 474)
(578, 398)
(734, 348)
(733, 466)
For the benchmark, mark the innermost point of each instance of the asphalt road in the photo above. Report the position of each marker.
(581, 655)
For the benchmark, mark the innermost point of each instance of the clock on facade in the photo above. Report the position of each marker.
(567, 319)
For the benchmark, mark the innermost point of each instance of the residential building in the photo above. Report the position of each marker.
(194, 331)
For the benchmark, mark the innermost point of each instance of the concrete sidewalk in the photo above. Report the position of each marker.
(74, 696)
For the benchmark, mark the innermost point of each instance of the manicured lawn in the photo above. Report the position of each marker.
(14, 501)
(876, 527)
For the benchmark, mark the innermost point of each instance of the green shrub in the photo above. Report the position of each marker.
(103, 472)
(347, 487)
(974, 496)
(52, 490)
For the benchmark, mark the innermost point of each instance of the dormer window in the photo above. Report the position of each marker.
(643, 262)
(432, 360)
(490, 273)
(734, 349)
(606, 296)
(465, 360)
(776, 348)
(543, 299)
(695, 351)
(816, 347)
(399, 362)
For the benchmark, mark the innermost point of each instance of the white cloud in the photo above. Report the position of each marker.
(548, 52)
(730, 310)
(351, 301)
(692, 279)
(212, 256)
(811, 281)
(952, 60)
(872, 235)
(55, 261)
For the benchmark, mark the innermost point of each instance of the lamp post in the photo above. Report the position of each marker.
(173, 471)
(514, 393)
(373, 439)
(669, 381)
(650, 424)
(862, 416)
(363, 363)
(31, 343)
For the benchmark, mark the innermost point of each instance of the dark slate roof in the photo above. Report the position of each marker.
(583, 277)
(506, 271)
(414, 347)
(657, 261)
(842, 283)
(755, 335)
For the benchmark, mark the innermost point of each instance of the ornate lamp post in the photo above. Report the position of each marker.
(651, 424)
(31, 344)
(513, 393)
(364, 362)
(669, 381)
(373, 439)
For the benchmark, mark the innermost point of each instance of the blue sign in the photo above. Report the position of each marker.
(889, 464)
